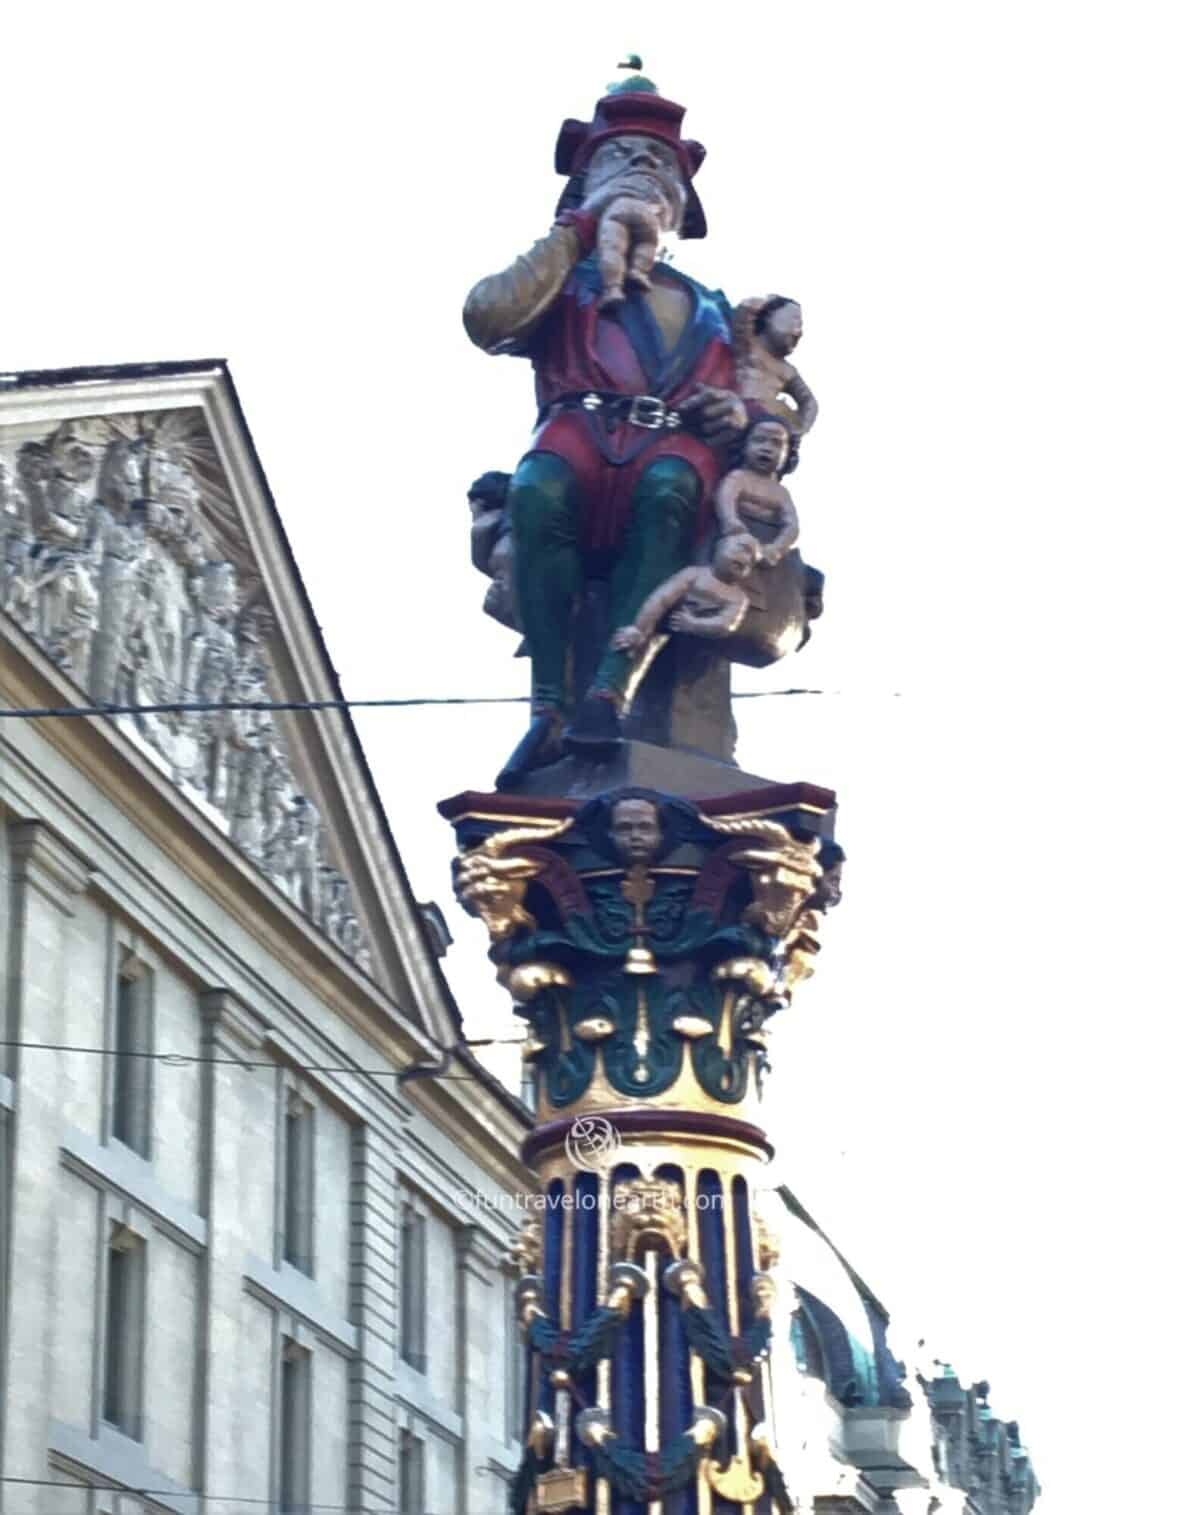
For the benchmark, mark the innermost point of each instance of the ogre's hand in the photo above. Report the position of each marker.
(627, 639)
(722, 414)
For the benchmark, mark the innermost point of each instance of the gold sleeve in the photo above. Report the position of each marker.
(503, 309)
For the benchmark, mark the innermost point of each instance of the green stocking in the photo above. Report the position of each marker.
(543, 501)
(657, 544)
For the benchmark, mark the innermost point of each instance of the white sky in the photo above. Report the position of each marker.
(986, 1095)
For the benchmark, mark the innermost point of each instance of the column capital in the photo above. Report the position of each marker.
(228, 1019)
(45, 861)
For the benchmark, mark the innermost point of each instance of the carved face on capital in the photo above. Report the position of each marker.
(638, 166)
(767, 448)
(636, 831)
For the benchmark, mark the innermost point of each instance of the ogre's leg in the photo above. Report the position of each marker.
(542, 502)
(657, 544)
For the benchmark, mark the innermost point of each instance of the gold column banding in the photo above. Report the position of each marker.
(691, 1178)
(650, 1365)
(604, 1368)
(562, 1397)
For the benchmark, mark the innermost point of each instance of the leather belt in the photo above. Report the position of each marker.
(646, 411)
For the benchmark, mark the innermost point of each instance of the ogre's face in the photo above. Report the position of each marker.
(638, 166)
(636, 830)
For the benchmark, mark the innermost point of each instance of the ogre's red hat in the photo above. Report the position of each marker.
(632, 108)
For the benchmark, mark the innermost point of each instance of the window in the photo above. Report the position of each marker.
(124, 1317)
(131, 1042)
(412, 1287)
(298, 1183)
(412, 1474)
(295, 1419)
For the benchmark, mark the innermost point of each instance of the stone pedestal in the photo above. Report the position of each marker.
(648, 940)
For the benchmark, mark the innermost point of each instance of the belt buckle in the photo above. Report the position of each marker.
(648, 411)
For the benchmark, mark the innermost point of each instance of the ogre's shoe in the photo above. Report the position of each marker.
(596, 728)
(541, 744)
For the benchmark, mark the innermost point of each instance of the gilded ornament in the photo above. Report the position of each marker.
(594, 1427)
(708, 1426)
(691, 1026)
(561, 1489)
(686, 1279)
(737, 1481)
(526, 1251)
(766, 1243)
(626, 1282)
(594, 1028)
(492, 885)
(527, 980)
(784, 873)
(530, 1300)
(648, 1212)
(763, 1290)
(637, 889)
(754, 972)
(541, 1434)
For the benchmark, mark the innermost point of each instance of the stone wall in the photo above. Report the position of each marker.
(84, 900)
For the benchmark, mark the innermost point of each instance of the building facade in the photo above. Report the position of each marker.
(241, 1268)
(861, 1432)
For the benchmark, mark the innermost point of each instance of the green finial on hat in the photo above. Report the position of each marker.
(637, 82)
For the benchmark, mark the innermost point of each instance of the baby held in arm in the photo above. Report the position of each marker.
(705, 601)
(627, 244)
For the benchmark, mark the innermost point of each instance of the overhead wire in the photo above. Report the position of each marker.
(200, 707)
(178, 1494)
(190, 1059)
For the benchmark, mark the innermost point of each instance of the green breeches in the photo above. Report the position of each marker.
(544, 503)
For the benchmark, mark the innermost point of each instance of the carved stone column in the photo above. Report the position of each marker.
(238, 1144)
(649, 942)
(373, 1223)
(48, 876)
(480, 1285)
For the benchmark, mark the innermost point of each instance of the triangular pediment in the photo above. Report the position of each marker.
(143, 553)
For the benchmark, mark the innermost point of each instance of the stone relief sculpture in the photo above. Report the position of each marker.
(110, 561)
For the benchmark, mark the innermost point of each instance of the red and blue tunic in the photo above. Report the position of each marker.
(578, 348)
